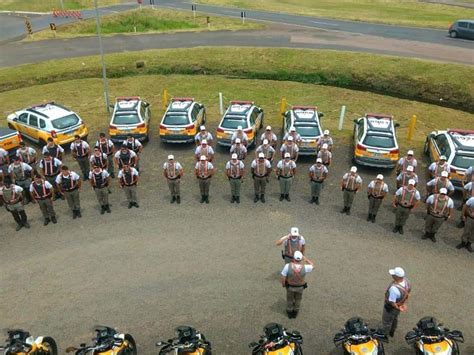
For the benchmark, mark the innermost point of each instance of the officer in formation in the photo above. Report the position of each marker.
(325, 139)
(436, 184)
(239, 149)
(267, 150)
(21, 174)
(439, 208)
(405, 176)
(203, 135)
(12, 195)
(291, 148)
(235, 170)
(100, 180)
(54, 150)
(50, 169)
(296, 137)
(376, 192)
(4, 161)
(98, 158)
(203, 170)
(69, 184)
(42, 193)
(80, 152)
(436, 168)
(173, 172)
(291, 243)
(107, 147)
(350, 185)
(468, 218)
(317, 174)
(285, 172)
(135, 146)
(128, 179)
(405, 162)
(261, 169)
(325, 155)
(125, 156)
(26, 154)
(204, 149)
(396, 298)
(240, 134)
(271, 137)
(406, 198)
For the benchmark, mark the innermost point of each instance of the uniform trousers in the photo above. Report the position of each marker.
(468, 234)
(348, 198)
(389, 319)
(110, 164)
(316, 188)
(401, 215)
(204, 186)
(374, 205)
(235, 184)
(259, 184)
(84, 164)
(131, 193)
(46, 207)
(432, 223)
(102, 195)
(174, 186)
(293, 298)
(18, 213)
(72, 198)
(285, 184)
(25, 184)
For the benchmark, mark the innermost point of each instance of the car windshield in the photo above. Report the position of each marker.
(379, 141)
(176, 119)
(65, 122)
(308, 131)
(126, 118)
(233, 123)
(463, 161)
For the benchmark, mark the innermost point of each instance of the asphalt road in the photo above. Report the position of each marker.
(216, 267)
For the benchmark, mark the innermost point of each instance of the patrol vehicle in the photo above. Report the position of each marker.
(375, 141)
(458, 147)
(131, 116)
(244, 114)
(182, 120)
(9, 140)
(306, 120)
(40, 122)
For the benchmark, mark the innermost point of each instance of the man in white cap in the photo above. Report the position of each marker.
(350, 185)
(406, 198)
(325, 139)
(317, 174)
(261, 169)
(436, 184)
(204, 149)
(267, 150)
(239, 149)
(128, 178)
(100, 179)
(285, 172)
(292, 133)
(239, 133)
(293, 279)
(396, 298)
(325, 155)
(469, 176)
(270, 137)
(203, 134)
(468, 219)
(173, 172)
(21, 174)
(289, 147)
(437, 167)
(376, 192)
(291, 243)
(439, 208)
(406, 161)
(11, 196)
(405, 176)
(234, 170)
(204, 171)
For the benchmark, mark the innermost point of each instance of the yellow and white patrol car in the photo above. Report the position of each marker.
(131, 116)
(306, 121)
(458, 147)
(182, 120)
(40, 122)
(9, 140)
(244, 114)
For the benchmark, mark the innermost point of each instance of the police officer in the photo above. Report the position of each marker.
(235, 170)
(50, 168)
(350, 185)
(128, 180)
(325, 155)
(433, 186)
(56, 151)
(439, 207)
(295, 135)
(325, 139)
(125, 156)
(80, 152)
(239, 133)
(317, 174)
(4, 162)
(42, 192)
(285, 171)
(437, 167)
(26, 154)
(204, 149)
(239, 149)
(99, 179)
(291, 243)
(173, 172)
(107, 147)
(69, 184)
(405, 176)
(396, 298)
(135, 146)
(21, 174)
(406, 198)
(267, 150)
(203, 134)
(289, 147)
(261, 169)
(98, 158)
(11, 195)
(203, 170)
(469, 177)
(468, 219)
(293, 279)
(405, 162)
(376, 191)
(270, 137)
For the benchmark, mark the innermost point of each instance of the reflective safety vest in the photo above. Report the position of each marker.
(10, 196)
(260, 168)
(99, 160)
(240, 152)
(125, 158)
(318, 173)
(266, 151)
(171, 170)
(203, 169)
(378, 188)
(127, 178)
(286, 169)
(104, 147)
(439, 169)
(268, 136)
(324, 155)
(406, 177)
(407, 197)
(98, 180)
(290, 149)
(296, 274)
(133, 146)
(40, 191)
(293, 245)
(235, 170)
(439, 207)
(54, 151)
(67, 183)
(19, 172)
(25, 156)
(407, 163)
(50, 169)
(350, 182)
(79, 148)
(404, 292)
(439, 184)
(203, 151)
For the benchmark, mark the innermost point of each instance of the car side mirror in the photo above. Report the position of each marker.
(321, 114)
(111, 106)
(397, 124)
(146, 104)
(411, 337)
(355, 120)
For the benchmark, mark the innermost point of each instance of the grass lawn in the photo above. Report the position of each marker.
(397, 12)
(85, 97)
(48, 5)
(147, 20)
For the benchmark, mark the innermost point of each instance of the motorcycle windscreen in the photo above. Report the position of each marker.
(116, 350)
(371, 347)
(442, 348)
(287, 350)
(199, 351)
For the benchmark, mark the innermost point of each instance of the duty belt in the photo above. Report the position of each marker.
(71, 190)
(349, 190)
(203, 178)
(236, 178)
(286, 177)
(376, 197)
(317, 181)
(411, 206)
(175, 178)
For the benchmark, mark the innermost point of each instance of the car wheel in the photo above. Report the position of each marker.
(49, 343)
(132, 346)
(453, 34)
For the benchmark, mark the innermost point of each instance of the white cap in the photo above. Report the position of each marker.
(443, 157)
(203, 157)
(265, 141)
(269, 128)
(294, 231)
(443, 190)
(237, 140)
(398, 271)
(354, 169)
(261, 155)
(170, 157)
(411, 182)
(444, 174)
(319, 160)
(298, 255)
(410, 168)
(239, 128)
(290, 138)
(326, 132)
(234, 156)
(292, 129)
(204, 141)
(410, 152)
(325, 146)
(380, 176)
(287, 155)
(202, 128)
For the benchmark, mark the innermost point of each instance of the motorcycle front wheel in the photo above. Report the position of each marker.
(132, 346)
(50, 344)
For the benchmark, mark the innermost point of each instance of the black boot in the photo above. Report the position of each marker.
(348, 211)
(317, 201)
(295, 314)
(173, 198)
(313, 199)
(203, 198)
(232, 199)
(395, 229)
(255, 199)
(282, 197)
(469, 247)
(207, 198)
(432, 237)
(136, 204)
(369, 217)
(287, 196)
(102, 209)
(461, 245)
(262, 198)
(373, 218)
(178, 199)
(289, 314)
(54, 220)
(74, 213)
(78, 212)
(400, 229)
(461, 224)
(237, 199)
(107, 208)
(130, 205)
(46, 222)
(425, 236)
(344, 210)
(18, 227)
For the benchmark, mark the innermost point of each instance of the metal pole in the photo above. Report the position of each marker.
(62, 4)
(221, 104)
(341, 117)
(104, 72)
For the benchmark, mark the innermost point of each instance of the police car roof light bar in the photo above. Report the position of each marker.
(127, 98)
(378, 115)
(461, 131)
(44, 104)
(237, 102)
(182, 99)
(304, 107)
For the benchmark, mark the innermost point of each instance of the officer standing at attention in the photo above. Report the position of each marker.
(406, 198)
(99, 179)
(293, 279)
(325, 139)
(405, 162)
(125, 156)
(289, 147)
(436, 184)
(376, 192)
(468, 219)
(80, 152)
(69, 184)
(405, 176)
(128, 179)
(292, 243)
(203, 134)
(317, 174)
(135, 146)
(350, 185)
(239, 149)
(267, 150)
(295, 135)
(21, 174)
(396, 298)
(439, 208)
(12, 195)
(239, 133)
(234, 170)
(26, 154)
(173, 172)
(50, 168)
(270, 137)
(98, 158)
(325, 155)
(204, 171)
(261, 169)
(285, 171)
(42, 192)
(437, 167)
(56, 151)
(107, 147)
(204, 149)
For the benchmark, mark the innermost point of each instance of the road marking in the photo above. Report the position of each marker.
(325, 23)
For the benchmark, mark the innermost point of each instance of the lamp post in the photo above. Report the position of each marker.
(104, 73)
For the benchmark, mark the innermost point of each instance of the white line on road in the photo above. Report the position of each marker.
(325, 23)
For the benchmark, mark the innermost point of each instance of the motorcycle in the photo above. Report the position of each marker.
(20, 342)
(278, 341)
(107, 342)
(429, 338)
(358, 338)
(188, 341)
